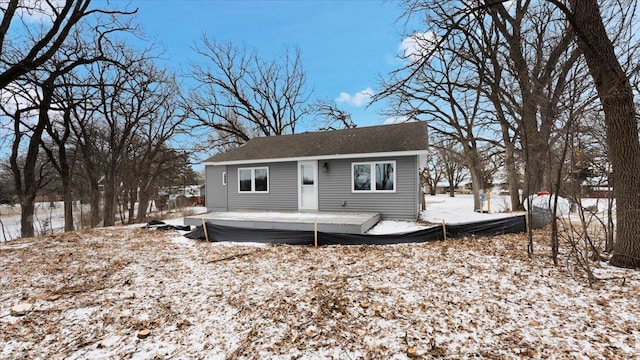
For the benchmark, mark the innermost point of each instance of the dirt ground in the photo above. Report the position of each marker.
(93, 292)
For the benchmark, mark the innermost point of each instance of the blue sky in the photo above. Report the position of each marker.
(345, 45)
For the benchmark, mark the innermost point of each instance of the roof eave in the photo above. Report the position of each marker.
(317, 157)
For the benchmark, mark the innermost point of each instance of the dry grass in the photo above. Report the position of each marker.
(470, 298)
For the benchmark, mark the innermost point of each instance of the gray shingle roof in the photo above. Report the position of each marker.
(405, 137)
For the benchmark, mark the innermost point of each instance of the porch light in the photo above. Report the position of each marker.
(325, 167)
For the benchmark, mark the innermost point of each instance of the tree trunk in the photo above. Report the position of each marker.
(615, 93)
(133, 195)
(475, 189)
(27, 204)
(143, 205)
(94, 202)
(68, 204)
(512, 171)
(110, 200)
(27, 180)
(94, 188)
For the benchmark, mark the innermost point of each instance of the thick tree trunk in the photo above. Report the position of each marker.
(27, 180)
(475, 171)
(131, 201)
(26, 216)
(475, 189)
(615, 92)
(536, 166)
(109, 201)
(143, 205)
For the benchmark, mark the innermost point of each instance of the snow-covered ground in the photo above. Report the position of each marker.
(459, 209)
(49, 218)
(451, 210)
(93, 291)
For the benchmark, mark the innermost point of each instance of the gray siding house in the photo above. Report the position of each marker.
(369, 169)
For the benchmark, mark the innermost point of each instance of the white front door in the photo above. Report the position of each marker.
(308, 185)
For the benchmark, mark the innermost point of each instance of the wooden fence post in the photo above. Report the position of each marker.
(315, 232)
(204, 228)
(444, 230)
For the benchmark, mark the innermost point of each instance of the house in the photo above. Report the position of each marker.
(368, 169)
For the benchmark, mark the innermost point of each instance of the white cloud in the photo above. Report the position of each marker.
(358, 99)
(398, 120)
(418, 45)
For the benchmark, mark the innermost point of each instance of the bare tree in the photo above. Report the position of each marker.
(452, 159)
(151, 157)
(90, 144)
(170, 168)
(531, 53)
(126, 105)
(29, 174)
(44, 81)
(26, 44)
(34, 54)
(241, 96)
(616, 94)
(331, 116)
(82, 49)
(27, 177)
(432, 172)
(441, 91)
(540, 55)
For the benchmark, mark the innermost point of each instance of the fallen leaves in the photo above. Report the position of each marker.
(411, 352)
(53, 297)
(21, 309)
(98, 293)
(144, 333)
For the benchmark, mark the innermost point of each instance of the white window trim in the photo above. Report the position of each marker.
(253, 180)
(224, 179)
(372, 164)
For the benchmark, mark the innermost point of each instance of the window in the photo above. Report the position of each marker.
(224, 178)
(385, 176)
(253, 180)
(362, 177)
(374, 176)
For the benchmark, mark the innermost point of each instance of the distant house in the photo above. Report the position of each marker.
(360, 169)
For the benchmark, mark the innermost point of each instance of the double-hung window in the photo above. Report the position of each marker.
(378, 176)
(253, 180)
